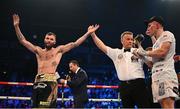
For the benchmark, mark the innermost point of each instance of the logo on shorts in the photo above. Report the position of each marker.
(161, 89)
(176, 91)
(40, 85)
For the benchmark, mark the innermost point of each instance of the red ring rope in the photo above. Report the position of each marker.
(59, 85)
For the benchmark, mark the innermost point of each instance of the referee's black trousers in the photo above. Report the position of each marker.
(134, 92)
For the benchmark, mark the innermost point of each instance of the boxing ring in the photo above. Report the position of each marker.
(62, 93)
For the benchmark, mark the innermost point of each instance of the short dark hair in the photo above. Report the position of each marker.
(51, 33)
(158, 19)
(74, 62)
(126, 32)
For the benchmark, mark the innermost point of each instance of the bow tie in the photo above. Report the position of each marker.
(127, 50)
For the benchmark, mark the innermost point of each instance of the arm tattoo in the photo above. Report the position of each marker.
(20, 37)
(74, 44)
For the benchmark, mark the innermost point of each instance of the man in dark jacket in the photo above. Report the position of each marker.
(78, 84)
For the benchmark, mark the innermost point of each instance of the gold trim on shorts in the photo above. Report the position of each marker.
(48, 77)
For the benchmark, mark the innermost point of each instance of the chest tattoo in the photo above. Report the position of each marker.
(54, 63)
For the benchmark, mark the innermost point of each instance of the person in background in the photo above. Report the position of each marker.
(78, 84)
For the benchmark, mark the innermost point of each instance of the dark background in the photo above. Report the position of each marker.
(69, 19)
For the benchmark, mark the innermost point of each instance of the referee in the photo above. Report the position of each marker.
(129, 70)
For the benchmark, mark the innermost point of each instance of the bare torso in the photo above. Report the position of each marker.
(48, 60)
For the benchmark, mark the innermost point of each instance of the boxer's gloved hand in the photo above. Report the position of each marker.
(136, 55)
(140, 51)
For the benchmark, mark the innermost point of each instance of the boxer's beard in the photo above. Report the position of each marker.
(49, 47)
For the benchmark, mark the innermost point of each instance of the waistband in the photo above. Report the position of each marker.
(43, 77)
(132, 81)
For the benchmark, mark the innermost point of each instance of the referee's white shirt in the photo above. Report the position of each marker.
(126, 68)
